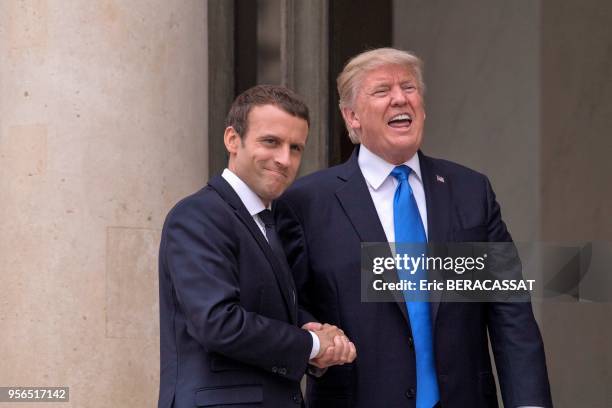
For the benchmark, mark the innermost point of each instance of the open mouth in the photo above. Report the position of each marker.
(402, 120)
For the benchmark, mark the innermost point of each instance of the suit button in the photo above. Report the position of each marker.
(411, 342)
(296, 398)
(410, 394)
(282, 371)
(274, 369)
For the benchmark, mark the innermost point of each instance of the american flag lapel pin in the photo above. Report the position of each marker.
(439, 179)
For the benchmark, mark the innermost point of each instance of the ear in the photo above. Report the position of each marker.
(351, 118)
(232, 140)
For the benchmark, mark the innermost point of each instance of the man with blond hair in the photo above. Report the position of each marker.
(411, 354)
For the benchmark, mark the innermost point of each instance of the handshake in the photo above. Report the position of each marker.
(334, 347)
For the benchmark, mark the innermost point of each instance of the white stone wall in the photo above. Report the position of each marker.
(102, 129)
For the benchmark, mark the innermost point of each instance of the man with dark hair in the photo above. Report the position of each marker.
(411, 354)
(228, 306)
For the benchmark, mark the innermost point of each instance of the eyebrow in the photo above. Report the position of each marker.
(380, 82)
(273, 136)
(386, 81)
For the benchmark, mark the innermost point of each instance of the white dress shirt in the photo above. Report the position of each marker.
(251, 201)
(254, 206)
(382, 185)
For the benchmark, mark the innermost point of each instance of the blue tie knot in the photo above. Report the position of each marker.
(401, 173)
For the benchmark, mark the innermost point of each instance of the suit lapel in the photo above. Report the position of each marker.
(280, 268)
(439, 206)
(357, 203)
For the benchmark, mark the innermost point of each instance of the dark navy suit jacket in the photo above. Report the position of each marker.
(228, 310)
(322, 220)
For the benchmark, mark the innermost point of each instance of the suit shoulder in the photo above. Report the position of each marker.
(454, 170)
(205, 204)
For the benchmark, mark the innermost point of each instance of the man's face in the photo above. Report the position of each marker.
(268, 156)
(388, 113)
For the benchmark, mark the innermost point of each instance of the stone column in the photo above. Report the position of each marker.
(102, 129)
(304, 66)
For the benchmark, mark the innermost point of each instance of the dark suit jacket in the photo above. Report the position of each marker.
(228, 311)
(322, 220)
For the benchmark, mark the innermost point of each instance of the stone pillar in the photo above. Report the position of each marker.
(304, 55)
(102, 129)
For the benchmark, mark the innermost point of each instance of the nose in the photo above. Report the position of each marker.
(398, 97)
(283, 156)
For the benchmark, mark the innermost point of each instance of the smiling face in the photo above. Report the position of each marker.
(268, 156)
(388, 113)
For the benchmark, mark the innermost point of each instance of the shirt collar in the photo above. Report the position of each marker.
(251, 201)
(376, 170)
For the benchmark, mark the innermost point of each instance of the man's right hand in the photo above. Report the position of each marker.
(335, 348)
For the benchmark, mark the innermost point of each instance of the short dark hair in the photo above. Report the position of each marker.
(259, 95)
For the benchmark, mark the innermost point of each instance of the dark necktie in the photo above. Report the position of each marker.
(277, 248)
(409, 230)
(273, 240)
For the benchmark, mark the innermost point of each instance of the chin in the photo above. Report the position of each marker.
(273, 194)
(407, 143)
(402, 145)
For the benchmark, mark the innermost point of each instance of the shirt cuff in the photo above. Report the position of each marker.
(316, 345)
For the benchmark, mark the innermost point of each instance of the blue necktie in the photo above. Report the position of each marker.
(409, 230)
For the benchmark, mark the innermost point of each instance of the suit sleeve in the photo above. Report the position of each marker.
(515, 337)
(291, 233)
(200, 251)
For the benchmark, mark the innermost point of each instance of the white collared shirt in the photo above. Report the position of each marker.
(251, 201)
(382, 185)
(254, 206)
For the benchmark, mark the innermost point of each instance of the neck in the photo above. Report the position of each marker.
(395, 158)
